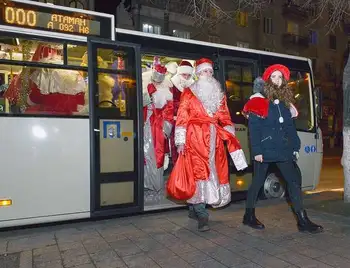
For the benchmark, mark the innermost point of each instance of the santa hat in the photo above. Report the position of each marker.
(158, 74)
(203, 64)
(276, 67)
(171, 67)
(185, 67)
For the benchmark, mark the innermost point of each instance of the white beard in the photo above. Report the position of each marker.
(180, 83)
(208, 91)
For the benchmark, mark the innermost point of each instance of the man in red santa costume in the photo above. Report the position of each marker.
(203, 123)
(181, 80)
(158, 123)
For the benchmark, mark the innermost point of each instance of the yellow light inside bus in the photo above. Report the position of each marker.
(5, 202)
(239, 182)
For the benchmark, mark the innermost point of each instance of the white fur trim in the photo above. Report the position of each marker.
(293, 111)
(171, 67)
(203, 66)
(239, 159)
(176, 81)
(146, 79)
(180, 136)
(185, 70)
(257, 95)
(230, 129)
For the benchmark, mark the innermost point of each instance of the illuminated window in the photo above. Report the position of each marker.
(242, 19)
(76, 4)
(181, 34)
(150, 28)
(292, 28)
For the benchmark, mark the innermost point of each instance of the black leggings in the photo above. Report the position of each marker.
(290, 175)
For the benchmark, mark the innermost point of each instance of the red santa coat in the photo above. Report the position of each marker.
(203, 130)
(177, 92)
(158, 120)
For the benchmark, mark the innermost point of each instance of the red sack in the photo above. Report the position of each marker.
(181, 184)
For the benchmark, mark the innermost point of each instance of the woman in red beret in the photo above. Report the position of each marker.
(274, 139)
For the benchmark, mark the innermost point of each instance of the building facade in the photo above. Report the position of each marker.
(283, 28)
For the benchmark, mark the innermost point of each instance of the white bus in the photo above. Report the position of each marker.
(71, 113)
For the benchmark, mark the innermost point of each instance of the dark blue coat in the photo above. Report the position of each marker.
(274, 140)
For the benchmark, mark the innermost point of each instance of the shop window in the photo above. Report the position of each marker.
(76, 4)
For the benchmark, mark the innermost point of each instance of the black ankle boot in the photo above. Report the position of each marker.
(250, 219)
(203, 224)
(305, 225)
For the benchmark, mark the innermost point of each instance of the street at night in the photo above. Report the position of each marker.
(170, 239)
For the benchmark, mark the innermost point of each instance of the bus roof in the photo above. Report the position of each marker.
(196, 42)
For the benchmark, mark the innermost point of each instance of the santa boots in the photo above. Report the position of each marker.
(305, 225)
(251, 220)
(203, 224)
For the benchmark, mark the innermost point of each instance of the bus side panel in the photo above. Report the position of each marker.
(307, 159)
(45, 170)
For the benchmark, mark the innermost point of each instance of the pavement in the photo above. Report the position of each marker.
(170, 239)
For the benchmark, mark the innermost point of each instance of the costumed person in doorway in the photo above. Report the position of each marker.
(200, 175)
(183, 79)
(274, 139)
(158, 122)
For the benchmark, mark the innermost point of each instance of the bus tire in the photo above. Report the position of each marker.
(273, 187)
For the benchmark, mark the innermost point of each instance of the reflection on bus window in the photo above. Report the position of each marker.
(239, 78)
(300, 82)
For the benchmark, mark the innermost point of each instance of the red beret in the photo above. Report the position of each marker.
(276, 67)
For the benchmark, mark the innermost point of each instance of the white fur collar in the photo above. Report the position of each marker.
(257, 95)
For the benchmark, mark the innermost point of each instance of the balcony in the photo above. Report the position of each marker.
(294, 12)
(292, 40)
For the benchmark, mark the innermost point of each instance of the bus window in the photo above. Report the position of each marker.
(239, 77)
(41, 88)
(300, 82)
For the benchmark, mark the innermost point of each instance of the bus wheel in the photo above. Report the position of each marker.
(273, 187)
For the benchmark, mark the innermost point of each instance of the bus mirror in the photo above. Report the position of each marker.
(318, 103)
